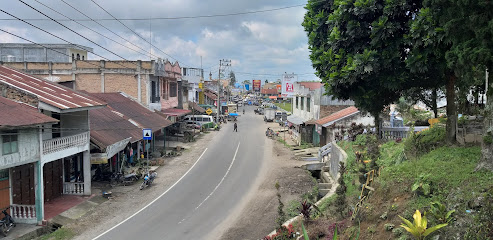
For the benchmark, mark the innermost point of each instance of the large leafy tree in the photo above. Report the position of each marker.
(358, 48)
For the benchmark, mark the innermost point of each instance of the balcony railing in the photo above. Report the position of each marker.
(23, 213)
(72, 188)
(62, 143)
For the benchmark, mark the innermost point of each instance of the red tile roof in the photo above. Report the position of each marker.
(14, 114)
(311, 85)
(338, 115)
(109, 127)
(134, 111)
(175, 112)
(50, 93)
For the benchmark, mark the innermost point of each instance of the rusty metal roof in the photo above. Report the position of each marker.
(311, 85)
(175, 112)
(337, 116)
(14, 114)
(195, 107)
(50, 93)
(134, 111)
(109, 127)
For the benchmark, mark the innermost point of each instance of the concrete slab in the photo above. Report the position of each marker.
(25, 231)
(79, 210)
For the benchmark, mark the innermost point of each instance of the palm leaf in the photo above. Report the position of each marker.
(434, 228)
(305, 234)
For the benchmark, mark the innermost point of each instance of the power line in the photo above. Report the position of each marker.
(173, 18)
(108, 29)
(134, 31)
(100, 34)
(69, 30)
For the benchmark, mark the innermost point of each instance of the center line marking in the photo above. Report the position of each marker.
(219, 184)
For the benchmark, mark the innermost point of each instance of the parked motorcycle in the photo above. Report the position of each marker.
(119, 178)
(7, 223)
(148, 179)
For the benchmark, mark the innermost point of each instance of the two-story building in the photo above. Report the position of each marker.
(309, 104)
(63, 161)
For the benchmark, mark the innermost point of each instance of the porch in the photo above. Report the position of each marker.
(61, 147)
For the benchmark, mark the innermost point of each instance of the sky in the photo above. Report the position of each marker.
(262, 45)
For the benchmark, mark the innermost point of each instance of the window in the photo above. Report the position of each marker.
(9, 142)
(308, 104)
(78, 56)
(297, 102)
(173, 89)
(302, 104)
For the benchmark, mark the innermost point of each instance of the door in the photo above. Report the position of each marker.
(53, 180)
(23, 184)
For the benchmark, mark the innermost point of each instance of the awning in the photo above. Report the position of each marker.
(175, 112)
(195, 107)
(272, 97)
(111, 150)
(295, 120)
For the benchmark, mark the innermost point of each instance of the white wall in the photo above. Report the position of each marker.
(299, 92)
(28, 146)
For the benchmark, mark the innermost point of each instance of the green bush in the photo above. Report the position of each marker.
(425, 141)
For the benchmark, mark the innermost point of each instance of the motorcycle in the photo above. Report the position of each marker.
(148, 179)
(7, 223)
(119, 178)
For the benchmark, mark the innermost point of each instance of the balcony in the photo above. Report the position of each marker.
(57, 148)
(23, 213)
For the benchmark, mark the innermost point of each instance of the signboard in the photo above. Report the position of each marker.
(279, 87)
(256, 85)
(247, 87)
(147, 134)
(288, 81)
(208, 111)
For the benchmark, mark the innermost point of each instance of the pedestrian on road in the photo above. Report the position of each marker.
(235, 128)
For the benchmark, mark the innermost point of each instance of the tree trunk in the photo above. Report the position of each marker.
(434, 102)
(451, 109)
(487, 147)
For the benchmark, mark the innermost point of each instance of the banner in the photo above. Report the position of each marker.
(288, 81)
(256, 85)
(247, 87)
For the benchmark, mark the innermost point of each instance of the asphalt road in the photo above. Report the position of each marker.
(208, 193)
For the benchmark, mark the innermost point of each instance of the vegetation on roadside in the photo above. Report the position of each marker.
(60, 234)
(286, 106)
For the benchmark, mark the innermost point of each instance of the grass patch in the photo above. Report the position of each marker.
(60, 234)
(292, 209)
(285, 106)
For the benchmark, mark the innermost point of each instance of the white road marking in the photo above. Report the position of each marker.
(154, 199)
(220, 182)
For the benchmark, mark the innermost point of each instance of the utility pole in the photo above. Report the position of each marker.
(222, 63)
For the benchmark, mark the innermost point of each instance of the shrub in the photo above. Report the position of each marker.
(425, 141)
(341, 203)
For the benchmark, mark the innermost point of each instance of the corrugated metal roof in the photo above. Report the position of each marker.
(195, 107)
(311, 85)
(109, 127)
(337, 115)
(176, 112)
(50, 93)
(134, 111)
(14, 114)
(269, 91)
(295, 120)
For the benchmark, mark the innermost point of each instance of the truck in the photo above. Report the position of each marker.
(232, 108)
(269, 114)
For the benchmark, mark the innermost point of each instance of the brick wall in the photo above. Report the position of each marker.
(18, 95)
(18, 66)
(121, 83)
(87, 64)
(88, 82)
(37, 66)
(61, 66)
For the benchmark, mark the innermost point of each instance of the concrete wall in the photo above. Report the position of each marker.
(337, 155)
(28, 146)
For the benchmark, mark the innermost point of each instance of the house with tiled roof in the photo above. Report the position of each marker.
(327, 127)
(309, 104)
(58, 143)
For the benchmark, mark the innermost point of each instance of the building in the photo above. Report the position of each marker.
(155, 84)
(116, 130)
(30, 52)
(193, 76)
(56, 153)
(310, 103)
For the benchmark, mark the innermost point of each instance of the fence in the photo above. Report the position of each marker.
(392, 133)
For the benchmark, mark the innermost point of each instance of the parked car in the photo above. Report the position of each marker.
(259, 111)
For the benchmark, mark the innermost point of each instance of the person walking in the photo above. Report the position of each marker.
(235, 128)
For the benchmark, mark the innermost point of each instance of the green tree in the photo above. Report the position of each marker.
(358, 49)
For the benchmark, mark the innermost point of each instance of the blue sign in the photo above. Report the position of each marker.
(247, 87)
(147, 134)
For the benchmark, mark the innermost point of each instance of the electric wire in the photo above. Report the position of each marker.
(138, 35)
(100, 34)
(172, 18)
(108, 29)
(69, 30)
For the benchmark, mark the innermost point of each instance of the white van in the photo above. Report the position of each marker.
(198, 119)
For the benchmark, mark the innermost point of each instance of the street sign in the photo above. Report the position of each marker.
(208, 111)
(147, 133)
